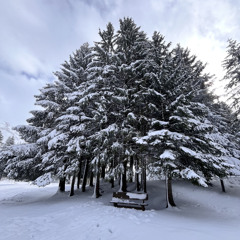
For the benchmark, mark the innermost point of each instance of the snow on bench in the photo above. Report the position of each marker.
(129, 200)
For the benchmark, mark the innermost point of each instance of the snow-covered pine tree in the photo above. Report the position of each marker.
(2, 163)
(131, 51)
(127, 101)
(178, 139)
(64, 139)
(1, 138)
(231, 65)
(225, 134)
(102, 72)
(44, 133)
(51, 100)
(150, 94)
(20, 161)
(148, 98)
(10, 141)
(225, 128)
(78, 119)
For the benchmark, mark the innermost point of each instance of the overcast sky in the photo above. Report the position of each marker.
(36, 36)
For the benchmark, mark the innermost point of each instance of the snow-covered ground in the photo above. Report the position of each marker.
(30, 212)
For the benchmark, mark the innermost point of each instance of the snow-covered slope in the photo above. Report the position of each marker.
(7, 132)
(29, 212)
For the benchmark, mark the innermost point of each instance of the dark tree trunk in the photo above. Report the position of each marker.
(97, 183)
(222, 185)
(62, 184)
(103, 171)
(169, 194)
(91, 179)
(119, 178)
(84, 182)
(79, 174)
(131, 169)
(112, 166)
(144, 179)
(112, 182)
(123, 179)
(137, 176)
(141, 183)
(72, 185)
(138, 185)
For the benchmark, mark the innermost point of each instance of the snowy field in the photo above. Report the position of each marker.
(30, 212)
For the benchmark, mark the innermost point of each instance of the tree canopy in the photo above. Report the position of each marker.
(128, 106)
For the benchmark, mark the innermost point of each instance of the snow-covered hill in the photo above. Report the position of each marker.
(7, 132)
(29, 212)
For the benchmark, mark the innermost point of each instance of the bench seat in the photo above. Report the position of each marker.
(129, 200)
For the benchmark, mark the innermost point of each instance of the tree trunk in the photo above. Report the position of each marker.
(138, 185)
(141, 183)
(222, 185)
(62, 184)
(91, 179)
(137, 176)
(79, 174)
(169, 194)
(131, 169)
(144, 178)
(123, 179)
(72, 185)
(112, 166)
(103, 171)
(84, 182)
(96, 193)
(120, 183)
(112, 182)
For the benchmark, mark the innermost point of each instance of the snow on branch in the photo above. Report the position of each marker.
(43, 180)
(168, 154)
(191, 175)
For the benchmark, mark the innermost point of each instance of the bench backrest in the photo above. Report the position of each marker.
(128, 195)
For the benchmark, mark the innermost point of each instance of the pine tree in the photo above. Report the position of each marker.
(10, 141)
(2, 162)
(231, 65)
(1, 138)
(19, 162)
(126, 106)
(225, 134)
(64, 140)
(178, 138)
(131, 50)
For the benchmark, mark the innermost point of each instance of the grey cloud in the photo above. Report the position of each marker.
(16, 97)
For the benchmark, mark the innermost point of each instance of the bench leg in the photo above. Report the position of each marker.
(115, 204)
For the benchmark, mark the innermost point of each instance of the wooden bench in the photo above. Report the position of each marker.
(129, 200)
